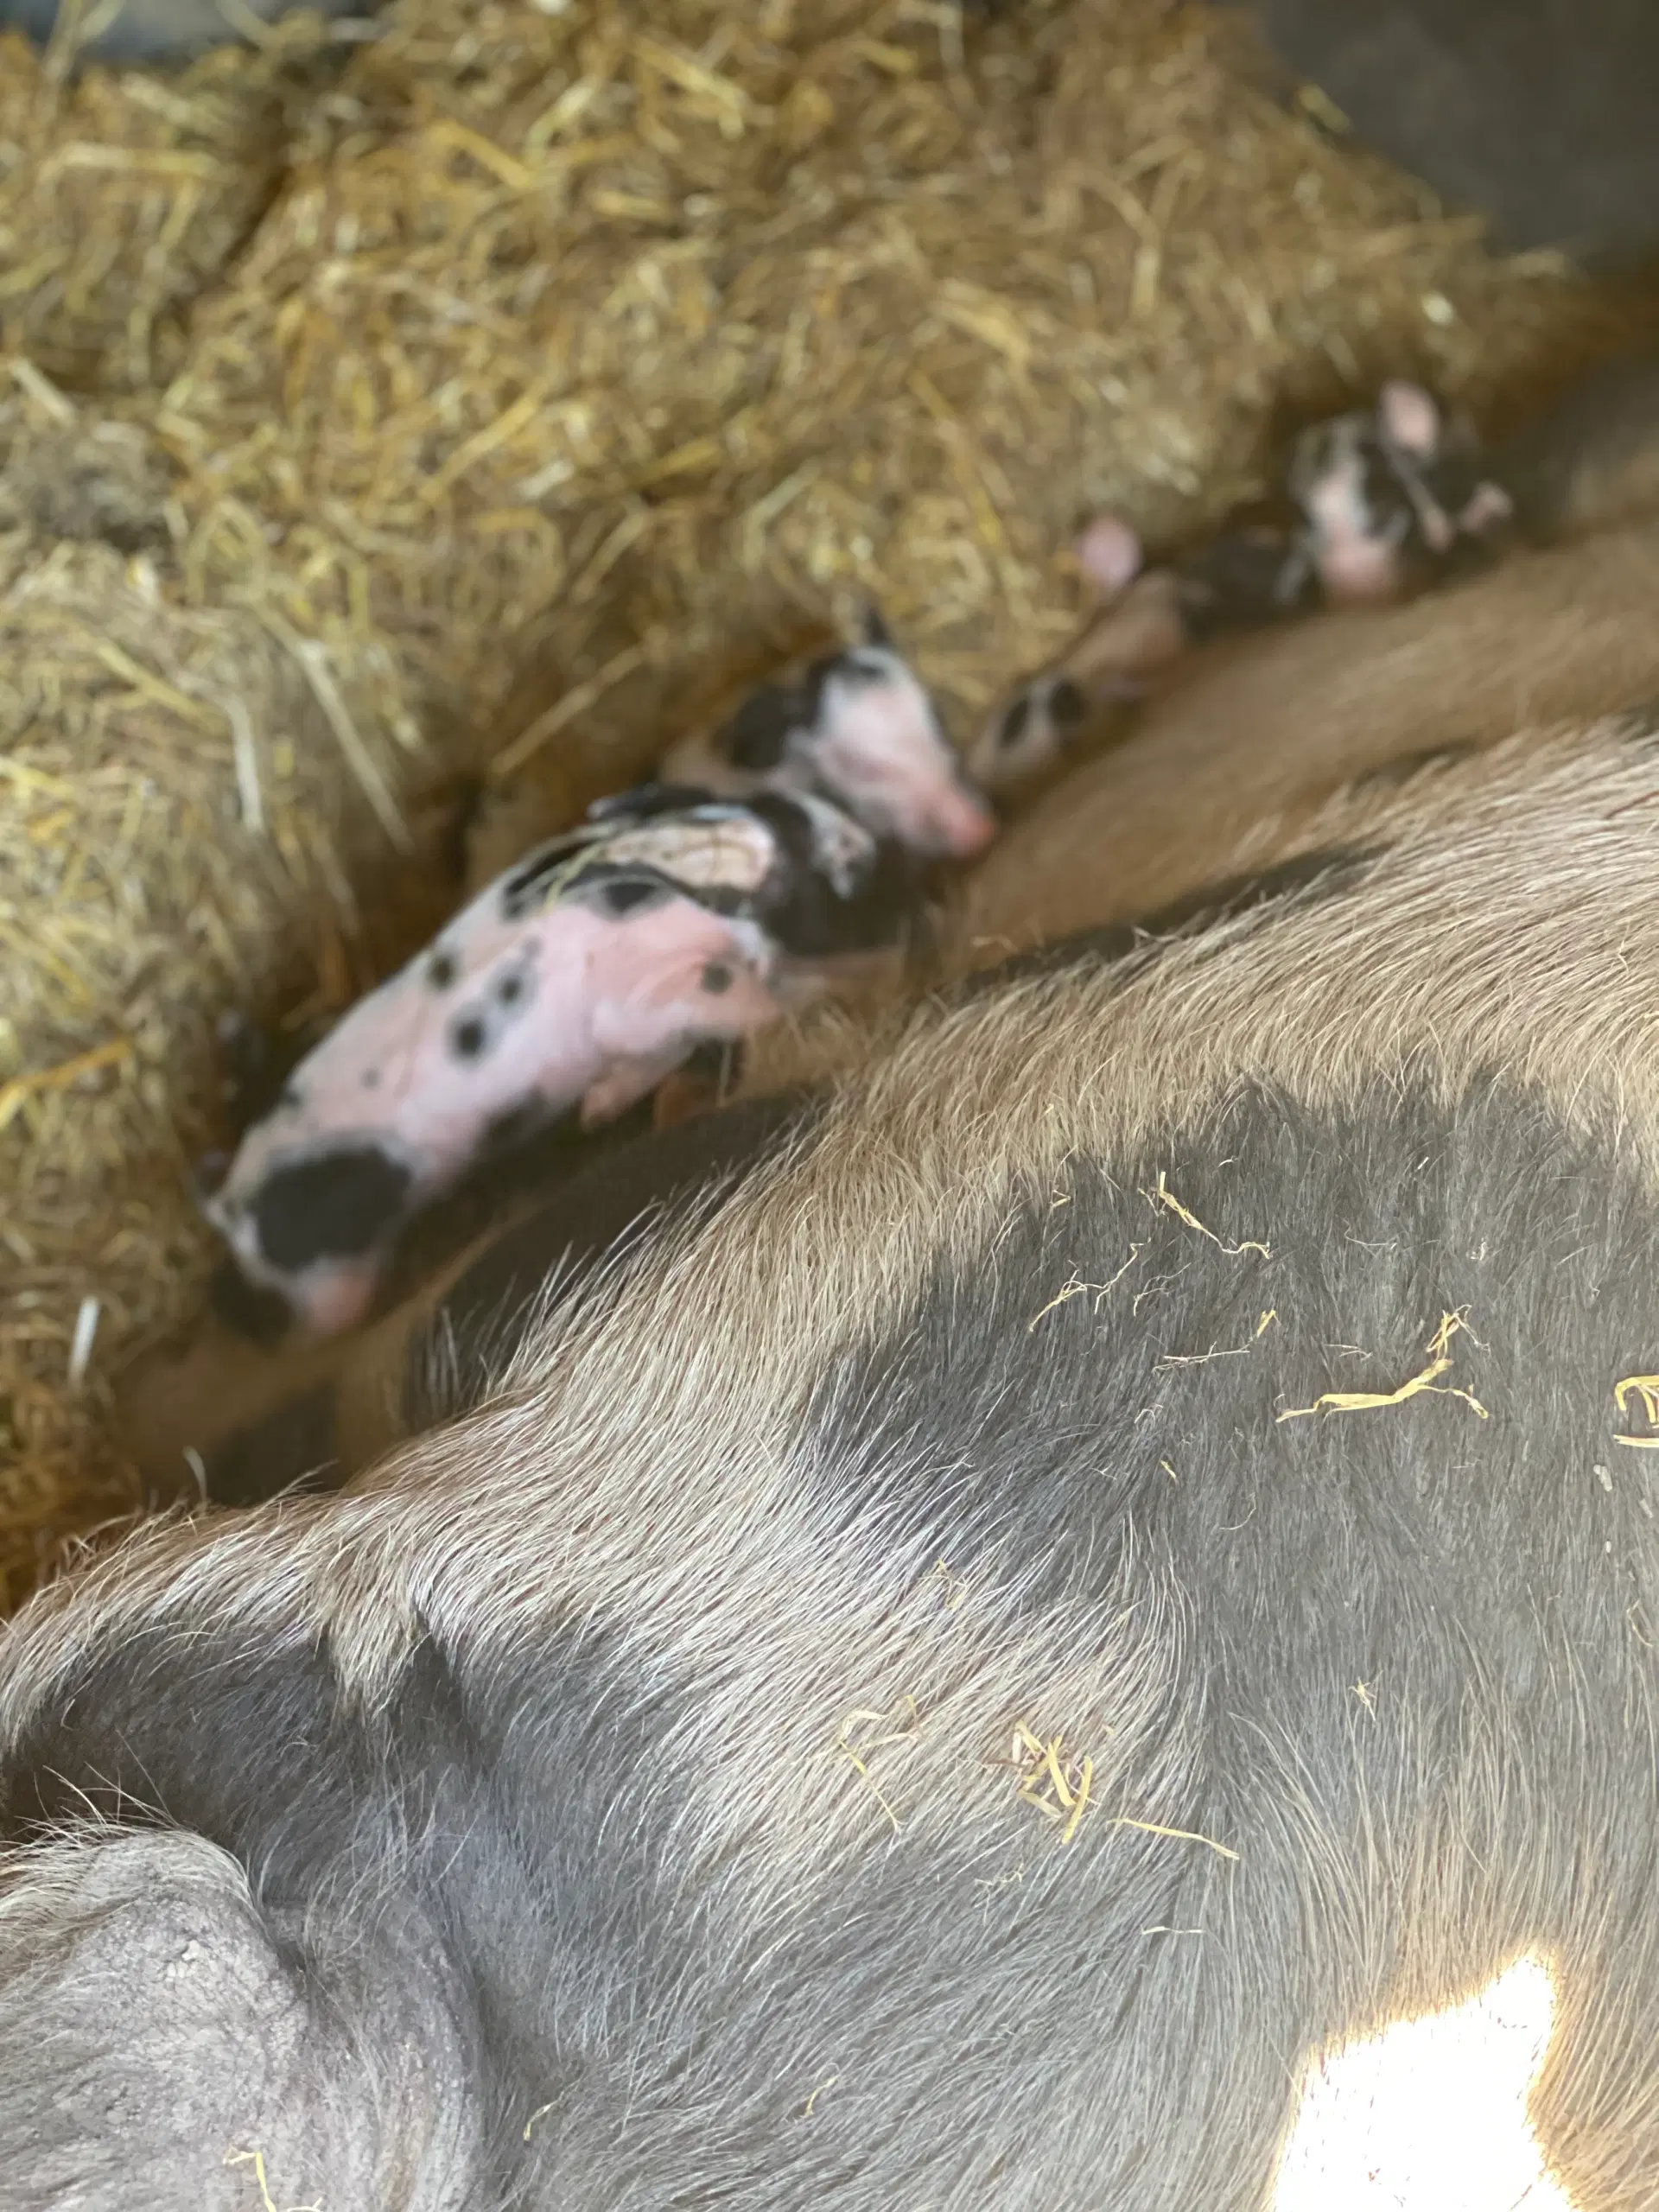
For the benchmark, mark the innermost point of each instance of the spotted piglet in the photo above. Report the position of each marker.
(1252, 573)
(579, 979)
(1390, 497)
(1374, 504)
(856, 727)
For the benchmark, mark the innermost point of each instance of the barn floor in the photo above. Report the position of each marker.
(372, 414)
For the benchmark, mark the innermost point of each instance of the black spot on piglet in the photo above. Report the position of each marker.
(1067, 704)
(1012, 726)
(630, 894)
(335, 1206)
(467, 1038)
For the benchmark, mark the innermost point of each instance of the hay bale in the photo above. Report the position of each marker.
(123, 196)
(795, 304)
(559, 367)
(179, 829)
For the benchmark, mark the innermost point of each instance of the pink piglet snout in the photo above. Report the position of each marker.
(958, 825)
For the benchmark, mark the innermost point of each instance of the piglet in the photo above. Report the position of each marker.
(578, 979)
(1375, 503)
(1140, 628)
(858, 728)
(581, 978)
(1390, 497)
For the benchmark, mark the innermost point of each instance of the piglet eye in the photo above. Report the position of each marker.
(1066, 704)
(716, 976)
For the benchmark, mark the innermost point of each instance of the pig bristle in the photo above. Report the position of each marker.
(499, 395)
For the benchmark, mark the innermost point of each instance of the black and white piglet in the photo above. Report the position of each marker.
(579, 979)
(1378, 502)
(1375, 504)
(1389, 497)
(856, 727)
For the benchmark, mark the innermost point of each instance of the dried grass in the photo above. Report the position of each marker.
(1055, 1783)
(122, 198)
(1645, 1390)
(1425, 1380)
(520, 358)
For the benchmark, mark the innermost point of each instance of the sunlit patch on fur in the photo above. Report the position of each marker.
(1431, 2115)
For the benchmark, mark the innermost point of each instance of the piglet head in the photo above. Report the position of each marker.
(314, 1220)
(1351, 479)
(1032, 732)
(1139, 633)
(877, 749)
(1409, 422)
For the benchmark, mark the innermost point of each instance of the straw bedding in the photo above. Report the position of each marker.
(485, 396)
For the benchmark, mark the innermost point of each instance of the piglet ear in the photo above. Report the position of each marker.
(876, 632)
(1109, 553)
(1409, 419)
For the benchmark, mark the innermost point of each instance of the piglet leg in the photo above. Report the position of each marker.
(624, 1082)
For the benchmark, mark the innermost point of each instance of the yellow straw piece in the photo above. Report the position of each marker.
(1354, 1401)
